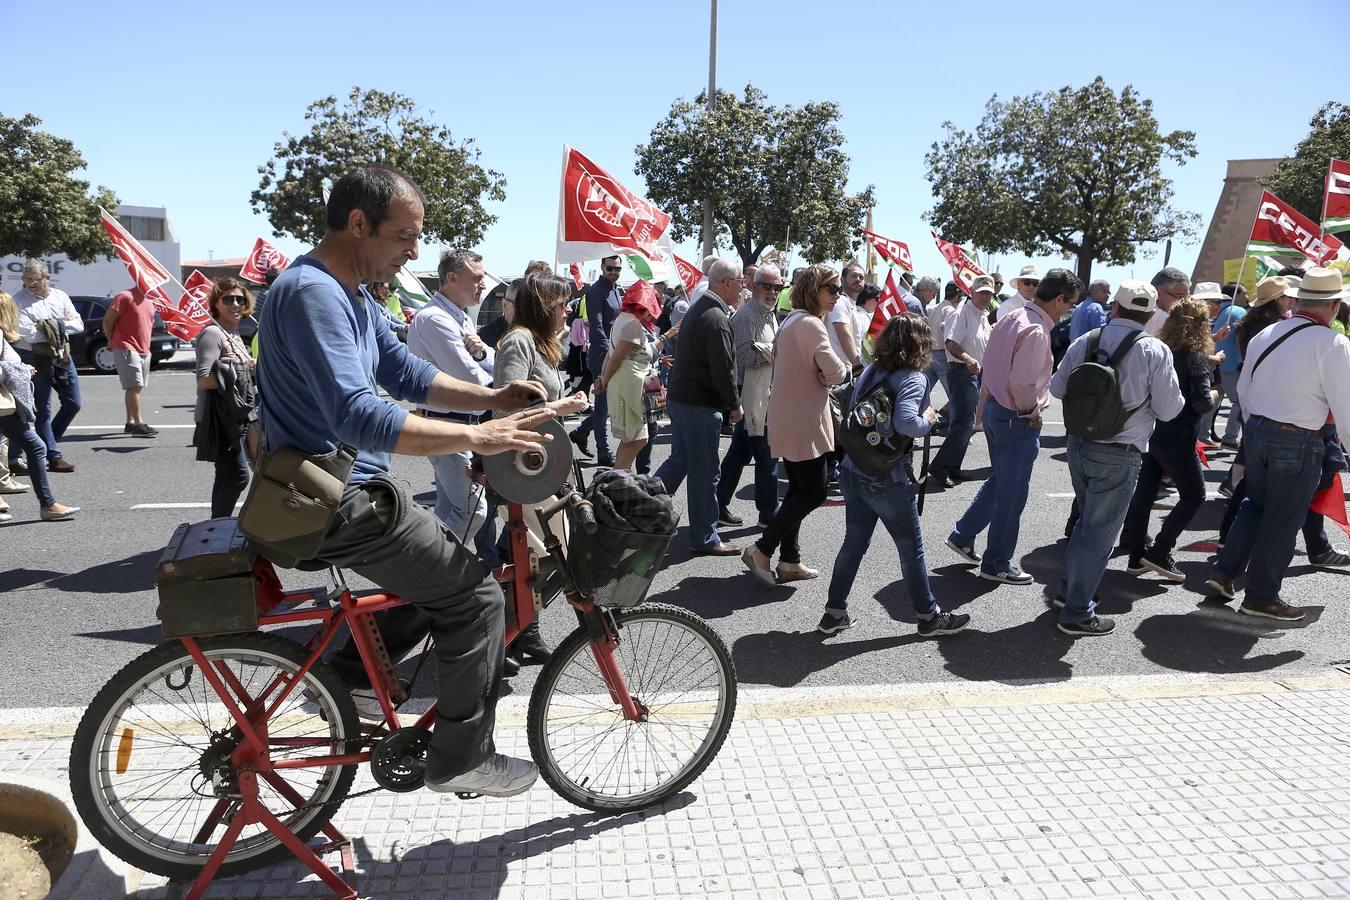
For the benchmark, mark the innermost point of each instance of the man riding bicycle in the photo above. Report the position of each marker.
(327, 346)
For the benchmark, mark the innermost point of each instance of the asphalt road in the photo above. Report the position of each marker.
(80, 602)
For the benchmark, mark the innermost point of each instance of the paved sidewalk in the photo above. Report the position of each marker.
(1138, 788)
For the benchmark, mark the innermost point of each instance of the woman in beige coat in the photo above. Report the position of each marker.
(800, 428)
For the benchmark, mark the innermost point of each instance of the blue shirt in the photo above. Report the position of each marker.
(1229, 315)
(1089, 314)
(326, 351)
(602, 308)
(1147, 378)
(909, 398)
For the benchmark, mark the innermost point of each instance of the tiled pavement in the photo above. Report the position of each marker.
(1221, 789)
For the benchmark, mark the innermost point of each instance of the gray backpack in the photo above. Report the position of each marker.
(1093, 409)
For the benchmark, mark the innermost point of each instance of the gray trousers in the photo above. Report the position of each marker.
(382, 535)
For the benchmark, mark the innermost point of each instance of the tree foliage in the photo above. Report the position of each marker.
(385, 128)
(776, 174)
(1301, 179)
(46, 208)
(1076, 171)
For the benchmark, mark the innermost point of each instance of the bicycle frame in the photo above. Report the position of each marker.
(521, 581)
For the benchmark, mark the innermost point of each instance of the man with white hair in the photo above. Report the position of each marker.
(47, 319)
(1296, 372)
(1172, 285)
(1090, 312)
(1026, 282)
(702, 391)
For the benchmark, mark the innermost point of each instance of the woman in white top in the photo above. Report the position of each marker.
(632, 352)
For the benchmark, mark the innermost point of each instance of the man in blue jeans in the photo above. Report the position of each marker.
(1286, 399)
(603, 299)
(1017, 366)
(702, 387)
(1104, 472)
(39, 302)
(965, 341)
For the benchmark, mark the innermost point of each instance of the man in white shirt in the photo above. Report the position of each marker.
(443, 335)
(966, 337)
(1294, 373)
(40, 302)
(1172, 285)
(937, 312)
(841, 323)
(1025, 283)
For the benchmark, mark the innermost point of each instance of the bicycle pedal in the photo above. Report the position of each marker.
(467, 795)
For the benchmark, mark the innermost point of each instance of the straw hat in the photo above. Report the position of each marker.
(1027, 272)
(1270, 288)
(1321, 285)
(1209, 290)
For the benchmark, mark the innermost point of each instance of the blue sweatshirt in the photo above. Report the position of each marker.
(909, 397)
(324, 351)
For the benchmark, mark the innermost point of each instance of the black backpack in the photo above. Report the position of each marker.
(862, 443)
(1093, 409)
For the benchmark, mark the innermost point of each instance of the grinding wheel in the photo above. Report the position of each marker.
(529, 476)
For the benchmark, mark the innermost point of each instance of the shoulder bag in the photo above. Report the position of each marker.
(292, 502)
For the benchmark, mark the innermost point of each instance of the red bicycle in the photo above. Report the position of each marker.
(209, 756)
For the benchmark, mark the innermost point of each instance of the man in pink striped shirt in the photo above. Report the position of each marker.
(1016, 388)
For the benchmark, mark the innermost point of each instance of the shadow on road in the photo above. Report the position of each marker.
(701, 595)
(1215, 639)
(1030, 653)
(123, 576)
(787, 658)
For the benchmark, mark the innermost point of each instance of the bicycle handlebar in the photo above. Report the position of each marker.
(585, 515)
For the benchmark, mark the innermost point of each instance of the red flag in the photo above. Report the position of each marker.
(193, 303)
(176, 321)
(263, 257)
(1331, 503)
(599, 216)
(890, 305)
(1280, 229)
(689, 274)
(575, 269)
(1336, 200)
(892, 251)
(964, 269)
(144, 269)
(1200, 452)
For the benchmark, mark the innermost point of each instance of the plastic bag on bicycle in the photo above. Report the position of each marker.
(636, 521)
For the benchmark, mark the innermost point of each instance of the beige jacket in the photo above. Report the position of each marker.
(804, 368)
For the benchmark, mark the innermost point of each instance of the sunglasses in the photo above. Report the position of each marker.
(771, 287)
(834, 289)
(1034, 282)
(613, 268)
(234, 299)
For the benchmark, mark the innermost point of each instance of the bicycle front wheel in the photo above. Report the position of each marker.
(677, 668)
(150, 766)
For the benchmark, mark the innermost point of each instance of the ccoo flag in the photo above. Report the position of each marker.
(1282, 230)
(894, 252)
(599, 217)
(144, 269)
(964, 269)
(689, 273)
(263, 257)
(1336, 200)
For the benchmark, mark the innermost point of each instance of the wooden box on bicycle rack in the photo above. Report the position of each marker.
(205, 581)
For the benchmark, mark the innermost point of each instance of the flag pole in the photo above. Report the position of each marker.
(1326, 193)
(562, 188)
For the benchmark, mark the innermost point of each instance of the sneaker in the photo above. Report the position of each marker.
(580, 442)
(1059, 601)
(1272, 609)
(1226, 490)
(795, 572)
(943, 623)
(1163, 564)
(1135, 566)
(18, 467)
(966, 553)
(498, 776)
(5, 514)
(140, 429)
(1333, 558)
(729, 519)
(1013, 575)
(832, 624)
(1224, 587)
(367, 707)
(10, 486)
(1093, 627)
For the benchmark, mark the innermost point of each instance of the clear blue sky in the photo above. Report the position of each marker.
(177, 104)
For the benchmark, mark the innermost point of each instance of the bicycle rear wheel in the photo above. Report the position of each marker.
(676, 667)
(149, 765)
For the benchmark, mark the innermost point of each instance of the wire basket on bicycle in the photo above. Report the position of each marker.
(635, 522)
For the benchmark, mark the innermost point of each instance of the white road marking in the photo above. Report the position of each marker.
(118, 428)
(1209, 495)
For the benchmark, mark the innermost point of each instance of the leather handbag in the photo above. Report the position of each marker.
(292, 502)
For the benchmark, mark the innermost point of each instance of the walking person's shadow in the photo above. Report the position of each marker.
(1214, 639)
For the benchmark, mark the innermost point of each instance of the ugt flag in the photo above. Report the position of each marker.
(894, 252)
(599, 217)
(263, 257)
(689, 273)
(144, 269)
(964, 269)
(1282, 230)
(1336, 200)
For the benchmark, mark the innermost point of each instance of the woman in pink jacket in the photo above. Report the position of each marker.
(800, 427)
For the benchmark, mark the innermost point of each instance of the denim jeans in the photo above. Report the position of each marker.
(937, 369)
(51, 375)
(460, 503)
(1283, 468)
(1232, 430)
(1104, 477)
(694, 435)
(893, 502)
(598, 420)
(1170, 450)
(743, 449)
(1315, 538)
(22, 438)
(1013, 445)
(230, 481)
(963, 393)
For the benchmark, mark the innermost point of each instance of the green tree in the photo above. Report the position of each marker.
(46, 208)
(384, 128)
(1076, 171)
(1301, 179)
(777, 175)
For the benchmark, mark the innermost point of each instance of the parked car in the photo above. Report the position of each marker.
(91, 345)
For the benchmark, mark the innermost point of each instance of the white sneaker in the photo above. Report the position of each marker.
(5, 514)
(498, 776)
(9, 486)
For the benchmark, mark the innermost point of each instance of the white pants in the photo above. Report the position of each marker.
(460, 503)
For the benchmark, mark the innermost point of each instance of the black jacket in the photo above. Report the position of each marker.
(1193, 378)
(705, 365)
